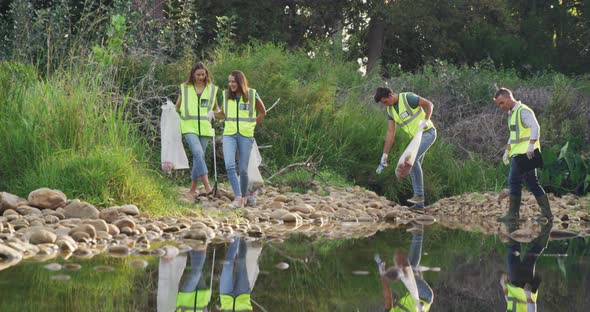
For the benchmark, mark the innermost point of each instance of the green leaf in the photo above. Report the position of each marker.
(563, 151)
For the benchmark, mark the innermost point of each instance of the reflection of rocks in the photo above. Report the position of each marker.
(80, 230)
(478, 212)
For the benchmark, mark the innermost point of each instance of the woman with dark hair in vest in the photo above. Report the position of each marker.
(243, 110)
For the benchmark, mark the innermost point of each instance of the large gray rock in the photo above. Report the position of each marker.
(80, 209)
(47, 198)
(10, 201)
(42, 237)
(131, 210)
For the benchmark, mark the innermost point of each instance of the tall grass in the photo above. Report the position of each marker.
(66, 132)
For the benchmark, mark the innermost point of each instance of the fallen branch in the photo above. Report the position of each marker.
(308, 165)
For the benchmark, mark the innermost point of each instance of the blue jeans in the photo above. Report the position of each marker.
(243, 145)
(529, 178)
(228, 285)
(198, 145)
(424, 291)
(428, 138)
(196, 271)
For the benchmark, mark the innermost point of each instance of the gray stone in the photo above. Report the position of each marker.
(80, 209)
(47, 198)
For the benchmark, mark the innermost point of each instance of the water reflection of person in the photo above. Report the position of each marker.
(521, 284)
(192, 294)
(410, 299)
(238, 275)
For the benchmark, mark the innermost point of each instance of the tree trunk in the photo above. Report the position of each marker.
(376, 40)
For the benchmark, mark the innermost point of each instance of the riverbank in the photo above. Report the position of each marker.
(48, 225)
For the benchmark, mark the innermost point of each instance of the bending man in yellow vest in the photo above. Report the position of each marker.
(196, 104)
(406, 269)
(242, 110)
(524, 139)
(410, 112)
(520, 286)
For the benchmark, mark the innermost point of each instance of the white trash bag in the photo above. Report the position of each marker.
(406, 161)
(255, 180)
(173, 154)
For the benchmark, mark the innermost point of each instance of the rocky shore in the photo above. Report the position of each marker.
(47, 224)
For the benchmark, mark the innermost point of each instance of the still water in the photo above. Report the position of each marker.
(456, 271)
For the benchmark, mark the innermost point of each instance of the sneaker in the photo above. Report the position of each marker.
(416, 199)
(237, 203)
(251, 201)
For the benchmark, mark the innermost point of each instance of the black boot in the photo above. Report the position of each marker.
(546, 214)
(513, 211)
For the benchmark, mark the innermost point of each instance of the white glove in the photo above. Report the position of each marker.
(210, 116)
(423, 124)
(506, 158)
(530, 152)
(384, 160)
(382, 164)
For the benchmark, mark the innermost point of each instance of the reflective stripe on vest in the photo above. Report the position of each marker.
(519, 134)
(241, 303)
(185, 301)
(193, 117)
(240, 120)
(516, 299)
(407, 117)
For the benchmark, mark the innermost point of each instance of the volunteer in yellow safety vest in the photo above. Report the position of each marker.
(236, 281)
(521, 285)
(410, 112)
(196, 104)
(194, 295)
(242, 109)
(406, 303)
(524, 139)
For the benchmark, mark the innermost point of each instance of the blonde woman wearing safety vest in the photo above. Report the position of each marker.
(409, 112)
(524, 140)
(242, 110)
(196, 103)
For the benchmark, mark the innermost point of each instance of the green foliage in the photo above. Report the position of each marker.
(65, 133)
(567, 167)
(104, 55)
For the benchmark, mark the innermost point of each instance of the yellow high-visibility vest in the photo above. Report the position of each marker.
(406, 304)
(194, 109)
(407, 117)
(516, 299)
(185, 301)
(240, 118)
(519, 134)
(241, 303)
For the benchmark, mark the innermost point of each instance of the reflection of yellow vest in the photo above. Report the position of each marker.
(238, 304)
(194, 109)
(186, 300)
(406, 304)
(240, 118)
(517, 299)
(519, 135)
(406, 116)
